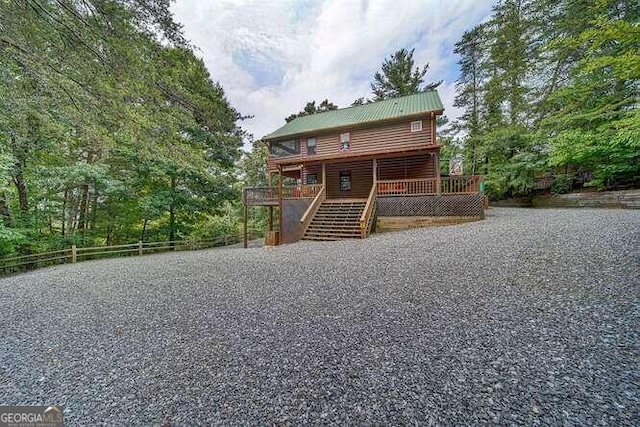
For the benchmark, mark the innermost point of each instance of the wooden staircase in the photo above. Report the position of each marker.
(336, 219)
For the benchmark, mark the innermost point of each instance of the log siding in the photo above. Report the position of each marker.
(393, 136)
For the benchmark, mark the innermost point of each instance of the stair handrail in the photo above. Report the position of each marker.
(312, 209)
(366, 216)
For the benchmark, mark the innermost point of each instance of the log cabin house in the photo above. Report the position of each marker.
(343, 173)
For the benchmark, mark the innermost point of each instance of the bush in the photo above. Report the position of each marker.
(563, 183)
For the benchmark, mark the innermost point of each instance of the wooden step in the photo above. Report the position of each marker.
(339, 210)
(329, 223)
(339, 215)
(330, 201)
(333, 235)
(333, 229)
(336, 219)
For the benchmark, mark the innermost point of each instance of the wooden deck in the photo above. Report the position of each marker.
(269, 196)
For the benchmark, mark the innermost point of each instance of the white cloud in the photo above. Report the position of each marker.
(273, 56)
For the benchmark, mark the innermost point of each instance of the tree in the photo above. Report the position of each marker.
(594, 122)
(311, 108)
(398, 77)
(549, 86)
(111, 128)
(469, 86)
(360, 101)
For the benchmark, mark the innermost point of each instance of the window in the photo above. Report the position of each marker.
(311, 146)
(416, 126)
(285, 148)
(345, 180)
(312, 178)
(345, 140)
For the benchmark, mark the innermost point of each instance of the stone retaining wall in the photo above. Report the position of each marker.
(627, 199)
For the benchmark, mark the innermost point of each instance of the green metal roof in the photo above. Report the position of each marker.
(410, 105)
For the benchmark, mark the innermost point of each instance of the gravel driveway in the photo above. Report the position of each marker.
(529, 317)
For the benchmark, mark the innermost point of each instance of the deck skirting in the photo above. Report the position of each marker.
(443, 205)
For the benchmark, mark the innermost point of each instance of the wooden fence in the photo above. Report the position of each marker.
(17, 264)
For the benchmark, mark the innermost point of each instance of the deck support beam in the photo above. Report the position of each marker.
(279, 205)
(438, 176)
(324, 175)
(244, 231)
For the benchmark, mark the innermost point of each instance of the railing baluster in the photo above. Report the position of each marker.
(446, 185)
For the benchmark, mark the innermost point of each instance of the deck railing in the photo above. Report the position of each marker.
(462, 184)
(259, 195)
(301, 191)
(312, 209)
(269, 195)
(366, 219)
(429, 186)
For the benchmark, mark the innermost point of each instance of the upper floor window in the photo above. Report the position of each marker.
(416, 126)
(345, 140)
(311, 146)
(285, 148)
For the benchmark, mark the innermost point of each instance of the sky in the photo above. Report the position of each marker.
(273, 56)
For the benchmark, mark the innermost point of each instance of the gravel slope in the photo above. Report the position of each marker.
(529, 317)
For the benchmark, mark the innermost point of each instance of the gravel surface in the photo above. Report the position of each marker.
(529, 317)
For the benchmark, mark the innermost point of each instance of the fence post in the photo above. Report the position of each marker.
(74, 253)
(140, 247)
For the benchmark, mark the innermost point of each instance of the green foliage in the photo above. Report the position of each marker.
(111, 129)
(398, 77)
(512, 161)
(311, 108)
(594, 121)
(10, 241)
(549, 85)
(562, 183)
(253, 166)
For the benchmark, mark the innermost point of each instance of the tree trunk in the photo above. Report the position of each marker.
(64, 211)
(4, 211)
(84, 208)
(84, 200)
(18, 180)
(94, 207)
(72, 219)
(18, 176)
(172, 213)
(144, 229)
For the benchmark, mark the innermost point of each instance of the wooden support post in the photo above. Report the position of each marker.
(437, 154)
(74, 253)
(270, 218)
(438, 178)
(280, 205)
(140, 249)
(375, 171)
(244, 231)
(324, 176)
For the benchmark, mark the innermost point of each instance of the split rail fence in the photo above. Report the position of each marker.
(17, 264)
